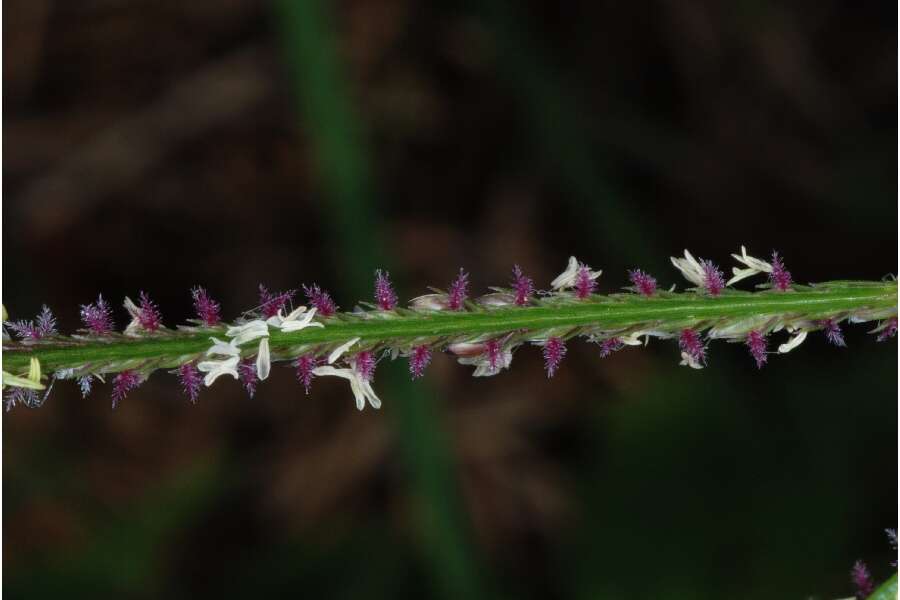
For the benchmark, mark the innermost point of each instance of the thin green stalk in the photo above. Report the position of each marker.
(665, 312)
(887, 590)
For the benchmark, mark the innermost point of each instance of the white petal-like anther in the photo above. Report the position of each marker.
(263, 359)
(792, 343)
(293, 322)
(216, 368)
(340, 350)
(248, 332)
(362, 389)
(221, 348)
(690, 268)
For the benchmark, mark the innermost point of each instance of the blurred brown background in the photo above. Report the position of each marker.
(160, 145)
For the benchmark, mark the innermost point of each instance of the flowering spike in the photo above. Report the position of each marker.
(692, 348)
(862, 580)
(247, 373)
(150, 317)
(385, 296)
(756, 342)
(523, 286)
(643, 282)
(584, 283)
(320, 299)
(833, 333)
(610, 345)
(43, 326)
(208, 310)
(780, 278)
(713, 280)
(364, 363)
(459, 291)
(123, 383)
(97, 317)
(419, 359)
(305, 365)
(191, 380)
(554, 352)
(270, 304)
(889, 331)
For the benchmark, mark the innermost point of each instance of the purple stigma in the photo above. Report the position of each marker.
(305, 365)
(554, 352)
(25, 397)
(713, 280)
(756, 342)
(191, 381)
(43, 326)
(459, 291)
(364, 363)
(270, 304)
(862, 580)
(207, 309)
(385, 296)
(84, 384)
(123, 383)
(320, 299)
(690, 343)
(780, 278)
(584, 283)
(97, 317)
(523, 286)
(833, 333)
(889, 331)
(609, 346)
(148, 314)
(247, 373)
(644, 283)
(419, 359)
(493, 351)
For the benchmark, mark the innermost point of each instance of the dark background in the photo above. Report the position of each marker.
(155, 145)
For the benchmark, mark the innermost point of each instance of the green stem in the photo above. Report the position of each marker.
(887, 590)
(664, 312)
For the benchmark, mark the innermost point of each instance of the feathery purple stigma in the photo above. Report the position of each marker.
(756, 342)
(23, 396)
(418, 360)
(645, 284)
(691, 344)
(862, 580)
(459, 291)
(889, 331)
(191, 380)
(43, 326)
(148, 314)
(609, 346)
(713, 280)
(833, 332)
(270, 304)
(364, 363)
(584, 283)
(385, 296)
(780, 278)
(97, 317)
(208, 310)
(123, 383)
(321, 299)
(84, 384)
(554, 352)
(247, 373)
(493, 351)
(305, 365)
(523, 286)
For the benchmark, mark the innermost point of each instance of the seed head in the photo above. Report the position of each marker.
(123, 383)
(419, 359)
(305, 365)
(320, 299)
(385, 296)
(833, 333)
(523, 286)
(459, 291)
(780, 278)
(554, 352)
(208, 310)
(756, 342)
(645, 284)
(97, 317)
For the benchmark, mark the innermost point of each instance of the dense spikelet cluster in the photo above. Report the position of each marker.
(483, 331)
